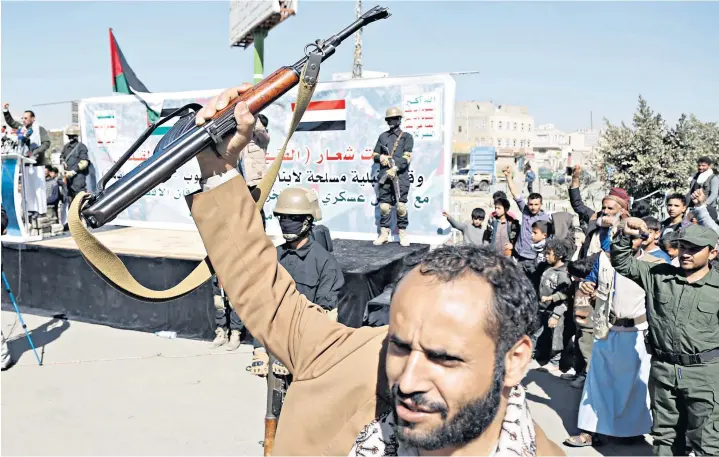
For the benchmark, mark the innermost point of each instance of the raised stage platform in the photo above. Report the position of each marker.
(52, 275)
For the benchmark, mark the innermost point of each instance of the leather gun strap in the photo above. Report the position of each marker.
(396, 143)
(110, 267)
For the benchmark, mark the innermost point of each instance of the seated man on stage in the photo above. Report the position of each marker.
(444, 377)
(315, 271)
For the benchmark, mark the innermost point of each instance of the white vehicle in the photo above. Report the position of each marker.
(481, 181)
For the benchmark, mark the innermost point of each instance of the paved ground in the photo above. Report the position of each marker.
(103, 391)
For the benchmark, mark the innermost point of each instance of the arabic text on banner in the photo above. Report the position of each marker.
(333, 154)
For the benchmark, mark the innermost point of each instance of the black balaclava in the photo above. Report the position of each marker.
(292, 230)
(394, 122)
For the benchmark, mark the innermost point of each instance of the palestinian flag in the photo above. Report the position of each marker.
(124, 80)
(164, 128)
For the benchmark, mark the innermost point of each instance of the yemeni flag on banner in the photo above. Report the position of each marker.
(124, 80)
(322, 116)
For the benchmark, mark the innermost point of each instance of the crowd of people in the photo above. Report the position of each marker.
(628, 307)
(618, 302)
(46, 187)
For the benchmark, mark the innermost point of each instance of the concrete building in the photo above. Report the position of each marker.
(509, 128)
(584, 145)
(550, 148)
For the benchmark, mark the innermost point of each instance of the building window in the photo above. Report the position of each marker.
(481, 141)
(500, 125)
(514, 142)
(459, 129)
(522, 126)
(515, 126)
(521, 143)
(499, 142)
(482, 125)
(529, 143)
(529, 127)
(491, 124)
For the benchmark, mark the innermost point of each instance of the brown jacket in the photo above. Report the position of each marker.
(339, 382)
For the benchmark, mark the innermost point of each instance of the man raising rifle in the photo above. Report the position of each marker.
(448, 368)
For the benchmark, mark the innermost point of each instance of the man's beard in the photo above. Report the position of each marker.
(470, 421)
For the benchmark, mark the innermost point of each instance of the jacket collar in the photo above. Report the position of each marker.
(301, 252)
(710, 279)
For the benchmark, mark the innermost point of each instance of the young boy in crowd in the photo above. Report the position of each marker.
(676, 205)
(501, 194)
(555, 290)
(671, 247)
(540, 232)
(502, 229)
(473, 233)
(649, 246)
(582, 311)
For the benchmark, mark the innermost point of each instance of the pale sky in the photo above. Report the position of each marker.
(561, 59)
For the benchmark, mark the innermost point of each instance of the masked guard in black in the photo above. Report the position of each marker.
(393, 152)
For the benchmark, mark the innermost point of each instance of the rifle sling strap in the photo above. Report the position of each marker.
(110, 267)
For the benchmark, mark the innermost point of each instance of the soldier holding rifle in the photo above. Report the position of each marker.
(422, 384)
(75, 163)
(393, 152)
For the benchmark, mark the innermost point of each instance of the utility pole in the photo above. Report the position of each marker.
(259, 36)
(357, 64)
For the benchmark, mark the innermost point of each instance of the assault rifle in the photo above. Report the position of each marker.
(180, 145)
(185, 140)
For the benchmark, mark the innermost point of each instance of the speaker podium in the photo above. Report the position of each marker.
(13, 198)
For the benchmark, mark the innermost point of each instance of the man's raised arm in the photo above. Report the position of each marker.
(622, 255)
(575, 197)
(296, 331)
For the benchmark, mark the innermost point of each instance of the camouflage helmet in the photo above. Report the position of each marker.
(394, 111)
(72, 130)
(294, 200)
(315, 201)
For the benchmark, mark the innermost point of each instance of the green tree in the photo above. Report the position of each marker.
(649, 156)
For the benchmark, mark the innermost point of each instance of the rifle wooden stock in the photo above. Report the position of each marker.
(270, 429)
(264, 93)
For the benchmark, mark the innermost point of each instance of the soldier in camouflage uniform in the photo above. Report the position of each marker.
(683, 311)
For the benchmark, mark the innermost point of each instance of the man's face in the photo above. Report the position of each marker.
(27, 119)
(72, 138)
(535, 205)
(675, 207)
(440, 361)
(693, 257)
(393, 121)
(499, 210)
(611, 207)
(702, 167)
(537, 235)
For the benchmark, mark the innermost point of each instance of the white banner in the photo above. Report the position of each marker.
(331, 153)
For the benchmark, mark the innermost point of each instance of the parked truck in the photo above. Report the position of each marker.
(481, 171)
